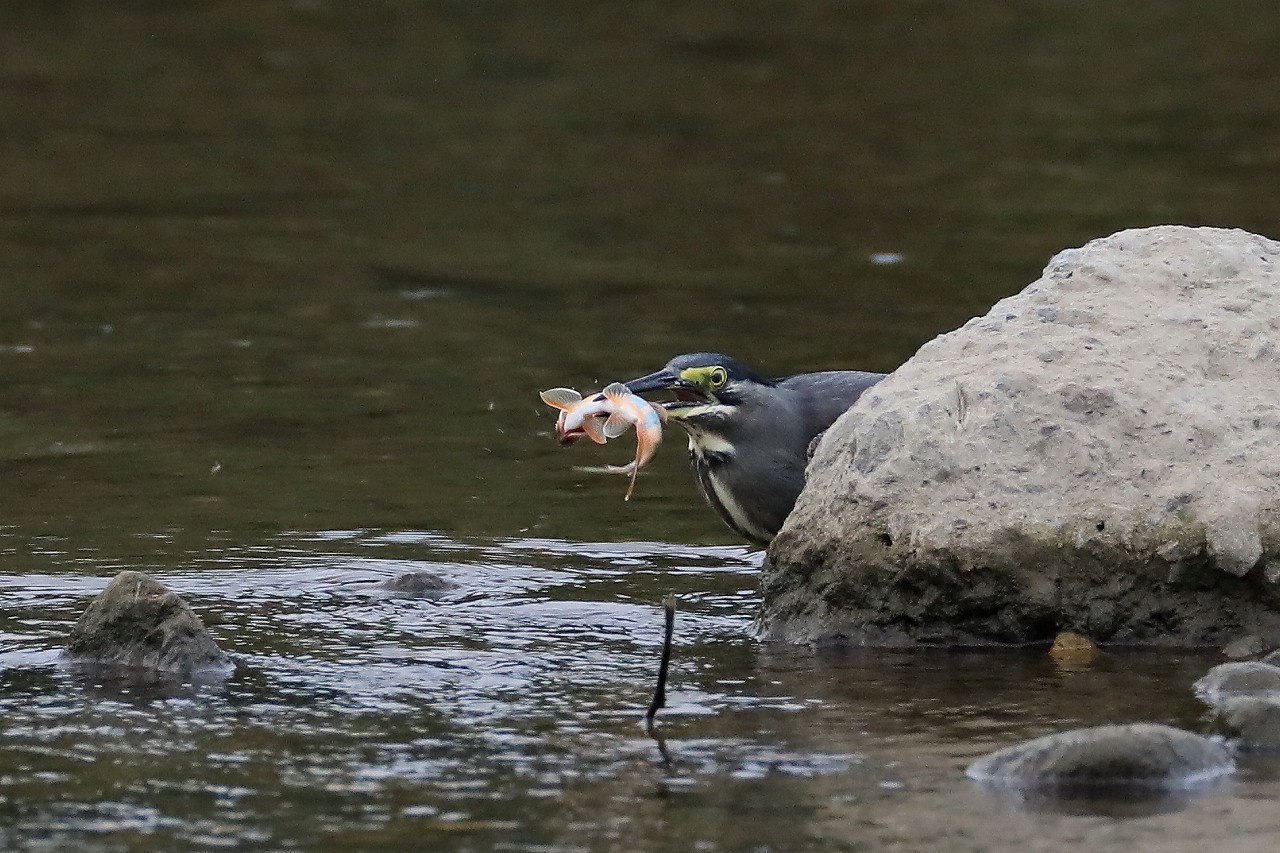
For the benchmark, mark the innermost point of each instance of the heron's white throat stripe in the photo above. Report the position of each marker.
(700, 410)
(709, 444)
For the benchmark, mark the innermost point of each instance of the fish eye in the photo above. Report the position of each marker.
(717, 377)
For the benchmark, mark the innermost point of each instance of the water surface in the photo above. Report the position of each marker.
(280, 281)
(506, 714)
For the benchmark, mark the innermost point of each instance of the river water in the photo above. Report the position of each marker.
(281, 281)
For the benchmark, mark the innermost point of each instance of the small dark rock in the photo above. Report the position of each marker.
(1254, 721)
(418, 585)
(1273, 658)
(138, 622)
(1140, 755)
(1243, 678)
(1249, 646)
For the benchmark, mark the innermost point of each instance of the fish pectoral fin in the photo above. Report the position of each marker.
(560, 398)
(594, 428)
(616, 425)
(616, 391)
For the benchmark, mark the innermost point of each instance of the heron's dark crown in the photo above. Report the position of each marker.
(738, 372)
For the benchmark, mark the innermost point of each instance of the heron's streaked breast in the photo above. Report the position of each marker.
(741, 519)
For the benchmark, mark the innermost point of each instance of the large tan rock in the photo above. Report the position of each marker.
(1100, 452)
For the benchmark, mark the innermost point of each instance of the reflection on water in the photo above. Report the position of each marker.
(1118, 802)
(506, 713)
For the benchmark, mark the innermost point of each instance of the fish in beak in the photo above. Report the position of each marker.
(608, 415)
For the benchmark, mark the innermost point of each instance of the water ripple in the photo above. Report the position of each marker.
(533, 667)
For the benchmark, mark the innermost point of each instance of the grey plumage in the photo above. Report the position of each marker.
(827, 395)
(750, 437)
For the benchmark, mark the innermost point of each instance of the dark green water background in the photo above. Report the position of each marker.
(279, 282)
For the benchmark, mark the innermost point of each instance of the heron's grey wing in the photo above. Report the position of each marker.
(829, 394)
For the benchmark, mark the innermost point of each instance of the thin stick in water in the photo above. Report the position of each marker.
(660, 694)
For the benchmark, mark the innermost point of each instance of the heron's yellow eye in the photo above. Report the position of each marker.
(717, 376)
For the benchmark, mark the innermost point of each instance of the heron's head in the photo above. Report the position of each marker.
(710, 389)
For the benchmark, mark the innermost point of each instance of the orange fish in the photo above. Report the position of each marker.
(608, 415)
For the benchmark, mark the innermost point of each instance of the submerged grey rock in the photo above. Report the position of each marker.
(1241, 678)
(1252, 721)
(1100, 452)
(417, 585)
(137, 622)
(1141, 755)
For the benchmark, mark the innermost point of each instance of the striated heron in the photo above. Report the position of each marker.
(750, 437)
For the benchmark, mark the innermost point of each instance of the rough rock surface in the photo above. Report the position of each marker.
(1138, 754)
(138, 622)
(1100, 453)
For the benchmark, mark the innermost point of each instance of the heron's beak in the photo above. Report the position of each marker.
(688, 394)
(663, 380)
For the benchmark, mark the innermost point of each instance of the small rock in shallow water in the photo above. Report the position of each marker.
(1243, 678)
(1140, 755)
(1249, 646)
(1254, 646)
(1273, 658)
(138, 622)
(1072, 648)
(1253, 721)
(417, 585)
